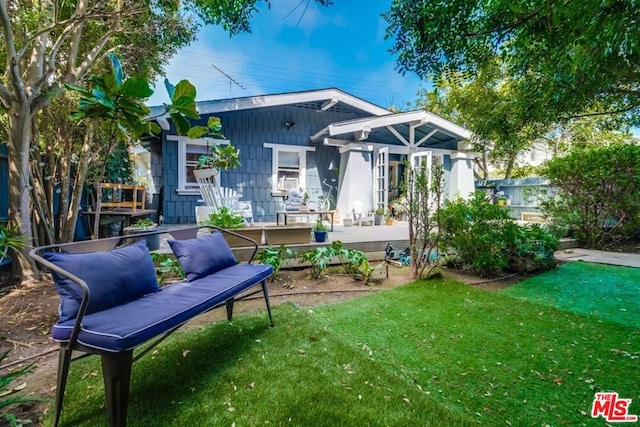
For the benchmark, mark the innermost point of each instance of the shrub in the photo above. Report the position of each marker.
(597, 193)
(486, 240)
(474, 230)
(224, 217)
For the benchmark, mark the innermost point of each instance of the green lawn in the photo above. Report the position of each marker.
(604, 291)
(430, 353)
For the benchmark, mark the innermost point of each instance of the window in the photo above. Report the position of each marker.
(289, 166)
(189, 150)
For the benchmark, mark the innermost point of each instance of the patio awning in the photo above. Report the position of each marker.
(413, 129)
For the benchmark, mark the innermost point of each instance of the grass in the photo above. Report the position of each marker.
(429, 353)
(603, 291)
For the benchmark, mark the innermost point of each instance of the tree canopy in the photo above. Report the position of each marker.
(567, 56)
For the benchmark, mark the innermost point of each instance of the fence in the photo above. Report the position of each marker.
(520, 195)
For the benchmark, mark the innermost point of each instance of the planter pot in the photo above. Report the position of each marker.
(377, 219)
(303, 208)
(287, 235)
(320, 236)
(347, 222)
(153, 241)
(389, 221)
(254, 233)
(204, 173)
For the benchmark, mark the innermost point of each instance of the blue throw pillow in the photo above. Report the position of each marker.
(204, 255)
(114, 277)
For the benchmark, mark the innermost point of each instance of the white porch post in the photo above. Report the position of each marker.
(461, 184)
(356, 181)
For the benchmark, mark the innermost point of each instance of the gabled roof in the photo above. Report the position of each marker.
(411, 128)
(330, 99)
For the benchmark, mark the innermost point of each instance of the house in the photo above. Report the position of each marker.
(319, 140)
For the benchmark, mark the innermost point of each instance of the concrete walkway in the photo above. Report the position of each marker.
(599, 257)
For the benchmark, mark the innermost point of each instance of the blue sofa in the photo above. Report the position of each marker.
(110, 300)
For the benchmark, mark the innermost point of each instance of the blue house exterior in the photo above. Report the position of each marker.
(322, 140)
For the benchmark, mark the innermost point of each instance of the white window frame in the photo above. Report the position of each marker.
(276, 149)
(183, 141)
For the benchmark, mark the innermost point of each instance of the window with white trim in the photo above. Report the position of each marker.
(289, 166)
(189, 150)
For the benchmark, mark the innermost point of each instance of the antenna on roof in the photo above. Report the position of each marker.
(231, 79)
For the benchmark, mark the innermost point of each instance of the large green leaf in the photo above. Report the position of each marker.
(187, 107)
(171, 89)
(137, 87)
(197, 132)
(182, 124)
(116, 68)
(184, 89)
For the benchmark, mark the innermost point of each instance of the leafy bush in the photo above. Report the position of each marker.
(486, 240)
(597, 193)
(166, 267)
(224, 217)
(275, 257)
(319, 258)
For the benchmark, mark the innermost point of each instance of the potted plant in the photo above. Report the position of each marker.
(227, 219)
(304, 205)
(320, 231)
(399, 208)
(144, 225)
(218, 156)
(388, 218)
(377, 216)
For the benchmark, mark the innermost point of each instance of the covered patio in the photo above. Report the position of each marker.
(373, 151)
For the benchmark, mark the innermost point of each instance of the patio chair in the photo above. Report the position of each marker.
(360, 215)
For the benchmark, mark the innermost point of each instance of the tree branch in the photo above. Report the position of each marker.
(12, 58)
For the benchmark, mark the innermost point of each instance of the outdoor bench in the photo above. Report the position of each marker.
(111, 303)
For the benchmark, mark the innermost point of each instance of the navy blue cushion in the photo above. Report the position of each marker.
(127, 326)
(204, 255)
(114, 277)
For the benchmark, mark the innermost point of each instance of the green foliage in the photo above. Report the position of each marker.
(224, 217)
(319, 258)
(144, 223)
(220, 156)
(424, 195)
(598, 193)
(275, 257)
(485, 239)
(166, 267)
(10, 239)
(568, 57)
(353, 261)
(320, 226)
(8, 395)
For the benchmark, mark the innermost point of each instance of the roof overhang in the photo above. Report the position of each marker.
(418, 128)
(321, 100)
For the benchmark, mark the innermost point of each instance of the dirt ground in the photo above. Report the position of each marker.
(27, 313)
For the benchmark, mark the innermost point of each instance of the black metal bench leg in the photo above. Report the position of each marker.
(116, 371)
(265, 291)
(229, 305)
(64, 360)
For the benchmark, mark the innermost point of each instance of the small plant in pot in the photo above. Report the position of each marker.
(320, 231)
(227, 219)
(218, 156)
(377, 216)
(141, 226)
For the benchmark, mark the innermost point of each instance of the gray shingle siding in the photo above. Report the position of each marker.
(249, 130)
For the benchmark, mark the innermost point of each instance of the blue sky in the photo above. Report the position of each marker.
(293, 49)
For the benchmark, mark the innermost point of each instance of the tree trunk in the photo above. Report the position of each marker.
(20, 117)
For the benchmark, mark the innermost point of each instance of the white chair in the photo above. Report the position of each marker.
(360, 215)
